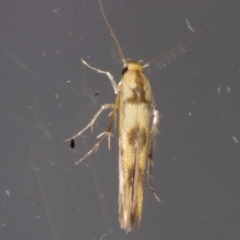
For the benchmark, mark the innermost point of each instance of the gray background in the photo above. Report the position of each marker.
(46, 95)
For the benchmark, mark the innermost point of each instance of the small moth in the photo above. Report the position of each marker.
(137, 126)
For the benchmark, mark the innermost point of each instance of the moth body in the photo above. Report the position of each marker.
(137, 127)
(135, 111)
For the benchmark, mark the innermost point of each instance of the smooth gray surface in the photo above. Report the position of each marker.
(196, 170)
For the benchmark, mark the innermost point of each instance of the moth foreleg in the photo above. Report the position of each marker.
(111, 78)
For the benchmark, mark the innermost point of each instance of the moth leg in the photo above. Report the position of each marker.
(111, 78)
(105, 134)
(95, 147)
(153, 133)
(90, 124)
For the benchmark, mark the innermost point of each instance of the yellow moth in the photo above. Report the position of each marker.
(137, 126)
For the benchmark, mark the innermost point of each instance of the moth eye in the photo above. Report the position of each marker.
(124, 70)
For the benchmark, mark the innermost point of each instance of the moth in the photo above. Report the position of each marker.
(137, 128)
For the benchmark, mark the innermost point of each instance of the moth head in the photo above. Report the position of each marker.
(132, 66)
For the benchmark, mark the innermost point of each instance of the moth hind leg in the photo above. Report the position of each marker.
(150, 177)
(91, 123)
(95, 147)
(101, 137)
(152, 136)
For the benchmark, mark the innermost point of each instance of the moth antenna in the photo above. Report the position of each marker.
(177, 47)
(112, 34)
